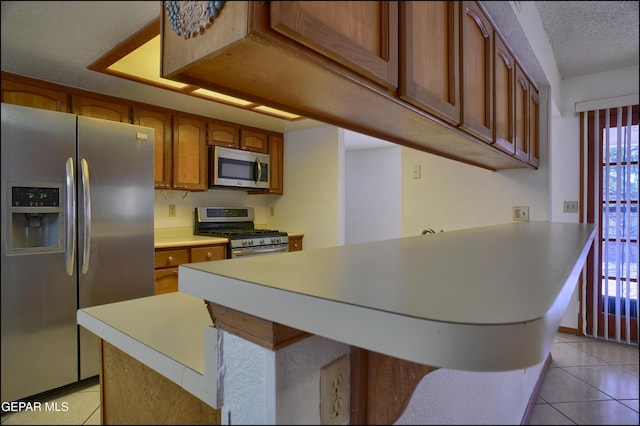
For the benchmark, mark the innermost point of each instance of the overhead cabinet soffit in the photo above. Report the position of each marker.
(420, 74)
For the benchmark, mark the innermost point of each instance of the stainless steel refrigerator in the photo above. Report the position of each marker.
(77, 231)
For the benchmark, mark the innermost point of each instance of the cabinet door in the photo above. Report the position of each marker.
(99, 108)
(207, 253)
(276, 157)
(534, 126)
(160, 121)
(429, 52)
(189, 153)
(166, 280)
(363, 36)
(521, 137)
(33, 96)
(477, 76)
(295, 243)
(223, 135)
(504, 78)
(251, 140)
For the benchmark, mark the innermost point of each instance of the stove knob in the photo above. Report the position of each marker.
(261, 242)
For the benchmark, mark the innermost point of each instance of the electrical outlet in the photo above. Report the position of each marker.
(570, 207)
(334, 392)
(416, 171)
(172, 210)
(521, 213)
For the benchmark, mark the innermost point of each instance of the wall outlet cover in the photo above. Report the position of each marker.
(570, 207)
(334, 392)
(521, 213)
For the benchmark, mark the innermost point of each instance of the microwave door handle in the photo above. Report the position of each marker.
(70, 240)
(258, 171)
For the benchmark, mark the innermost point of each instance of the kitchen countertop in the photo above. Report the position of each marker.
(183, 236)
(481, 299)
(171, 333)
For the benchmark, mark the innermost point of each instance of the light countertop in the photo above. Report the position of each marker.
(183, 236)
(171, 333)
(178, 237)
(483, 299)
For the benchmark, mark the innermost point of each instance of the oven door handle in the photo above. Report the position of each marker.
(242, 252)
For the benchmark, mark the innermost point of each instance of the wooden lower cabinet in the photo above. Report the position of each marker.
(295, 243)
(168, 260)
(132, 393)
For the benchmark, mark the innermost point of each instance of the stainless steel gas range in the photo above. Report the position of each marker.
(237, 225)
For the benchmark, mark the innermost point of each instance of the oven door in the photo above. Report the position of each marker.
(236, 168)
(259, 250)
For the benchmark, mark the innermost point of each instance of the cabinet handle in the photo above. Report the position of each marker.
(209, 255)
(170, 259)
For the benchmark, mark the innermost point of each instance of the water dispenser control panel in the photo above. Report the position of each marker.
(23, 196)
(37, 218)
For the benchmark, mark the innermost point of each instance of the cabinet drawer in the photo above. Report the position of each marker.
(295, 243)
(166, 280)
(203, 254)
(168, 258)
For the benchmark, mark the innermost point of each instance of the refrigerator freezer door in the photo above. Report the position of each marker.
(115, 220)
(39, 302)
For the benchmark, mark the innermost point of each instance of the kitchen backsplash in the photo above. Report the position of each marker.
(185, 203)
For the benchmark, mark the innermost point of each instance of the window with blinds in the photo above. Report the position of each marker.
(612, 144)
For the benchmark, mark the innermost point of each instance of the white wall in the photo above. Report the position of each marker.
(451, 195)
(186, 202)
(313, 200)
(373, 194)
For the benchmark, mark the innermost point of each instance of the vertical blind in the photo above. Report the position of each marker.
(614, 188)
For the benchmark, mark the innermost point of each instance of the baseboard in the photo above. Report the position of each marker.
(568, 330)
(534, 395)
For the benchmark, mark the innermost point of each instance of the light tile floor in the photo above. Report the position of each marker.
(76, 405)
(589, 382)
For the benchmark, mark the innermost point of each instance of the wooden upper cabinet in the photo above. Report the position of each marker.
(429, 57)
(189, 153)
(100, 108)
(361, 35)
(33, 96)
(223, 135)
(160, 121)
(276, 158)
(253, 140)
(521, 118)
(534, 126)
(504, 79)
(477, 76)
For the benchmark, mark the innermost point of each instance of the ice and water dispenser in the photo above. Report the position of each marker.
(36, 219)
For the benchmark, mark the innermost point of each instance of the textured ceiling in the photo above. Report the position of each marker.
(591, 36)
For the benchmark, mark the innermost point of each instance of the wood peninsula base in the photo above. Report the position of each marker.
(132, 393)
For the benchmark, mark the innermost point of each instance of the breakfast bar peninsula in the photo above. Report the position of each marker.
(423, 320)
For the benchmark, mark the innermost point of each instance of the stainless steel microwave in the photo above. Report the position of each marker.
(235, 168)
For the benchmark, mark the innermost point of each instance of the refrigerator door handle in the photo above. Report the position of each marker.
(70, 239)
(87, 216)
